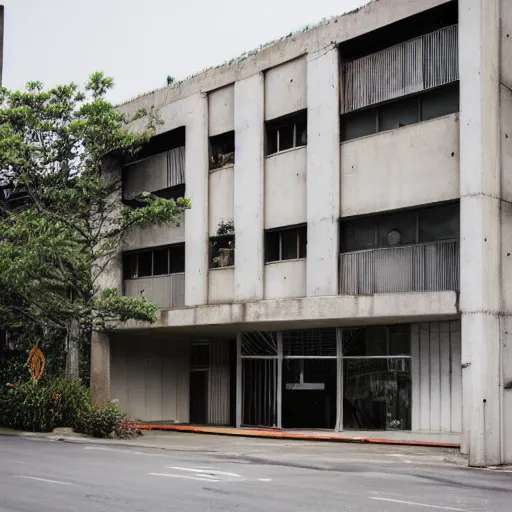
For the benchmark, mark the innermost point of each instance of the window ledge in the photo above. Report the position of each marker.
(284, 261)
(286, 151)
(222, 268)
(223, 168)
(153, 277)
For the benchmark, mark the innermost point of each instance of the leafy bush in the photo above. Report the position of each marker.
(40, 407)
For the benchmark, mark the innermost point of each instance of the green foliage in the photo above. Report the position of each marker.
(42, 407)
(63, 148)
(225, 228)
(170, 80)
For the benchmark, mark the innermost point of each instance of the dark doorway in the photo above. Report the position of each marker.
(309, 393)
(199, 379)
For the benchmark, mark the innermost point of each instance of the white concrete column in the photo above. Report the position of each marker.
(100, 368)
(249, 188)
(196, 219)
(480, 297)
(323, 172)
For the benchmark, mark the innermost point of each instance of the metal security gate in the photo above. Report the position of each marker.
(258, 393)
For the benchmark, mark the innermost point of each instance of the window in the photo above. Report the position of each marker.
(287, 133)
(286, 244)
(154, 262)
(403, 112)
(425, 225)
(222, 150)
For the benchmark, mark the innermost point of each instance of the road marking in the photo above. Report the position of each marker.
(43, 480)
(208, 471)
(265, 479)
(420, 504)
(200, 478)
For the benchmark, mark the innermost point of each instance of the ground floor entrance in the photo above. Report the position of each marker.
(395, 378)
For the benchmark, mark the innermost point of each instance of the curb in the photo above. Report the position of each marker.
(279, 434)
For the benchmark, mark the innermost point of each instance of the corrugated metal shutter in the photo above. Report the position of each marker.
(420, 64)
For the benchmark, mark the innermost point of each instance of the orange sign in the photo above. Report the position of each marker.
(36, 363)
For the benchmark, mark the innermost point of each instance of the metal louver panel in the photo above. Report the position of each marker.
(310, 343)
(259, 344)
(417, 65)
(176, 166)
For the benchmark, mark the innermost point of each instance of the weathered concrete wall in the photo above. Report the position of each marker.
(153, 236)
(285, 279)
(323, 176)
(285, 188)
(150, 377)
(414, 165)
(483, 301)
(436, 377)
(221, 285)
(249, 188)
(221, 200)
(285, 89)
(311, 311)
(221, 105)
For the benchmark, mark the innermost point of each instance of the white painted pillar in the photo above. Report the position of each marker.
(196, 219)
(480, 189)
(249, 188)
(323, 173)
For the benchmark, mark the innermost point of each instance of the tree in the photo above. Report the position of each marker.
(64, 148)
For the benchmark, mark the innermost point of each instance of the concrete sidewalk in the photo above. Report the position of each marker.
(380, 437)
(287, 451)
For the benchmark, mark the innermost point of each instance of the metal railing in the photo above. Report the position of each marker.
(410, 67)
(164, 291)
(415, 268)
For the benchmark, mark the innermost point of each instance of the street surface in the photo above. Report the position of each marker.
(209, 473)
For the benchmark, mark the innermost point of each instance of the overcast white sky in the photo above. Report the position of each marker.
(140, 42)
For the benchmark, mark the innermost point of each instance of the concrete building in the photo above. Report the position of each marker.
(1, 42)
(346, 263)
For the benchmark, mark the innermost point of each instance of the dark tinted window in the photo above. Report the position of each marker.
(303, 241)
(358, 124)
(440, 102)
(286, 137)
(289, 244)
(177, 256)
(272, 243)
(397, 229)
(145, 264)
(358, 234)
(160, 262)
(399, 113)
(439, 223)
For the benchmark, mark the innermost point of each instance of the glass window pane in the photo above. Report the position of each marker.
(377, 394)
(177, 259)
(440, 102)
(271, 141)
(358, 234)
(400, 340)
(200, 356)
(398, 113)
(303, 241)
(145, 263)
(161, 262)
(129, 266)
(302, 134)
(222, 251)
(272, 246)
(286, 137)
(289, 244)
(397, 229)
(439, 223)
(358, 124)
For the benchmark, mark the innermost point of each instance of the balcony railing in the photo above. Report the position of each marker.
(414, 268)
(164, 291)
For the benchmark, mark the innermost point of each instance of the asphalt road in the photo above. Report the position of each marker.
(41, 475)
